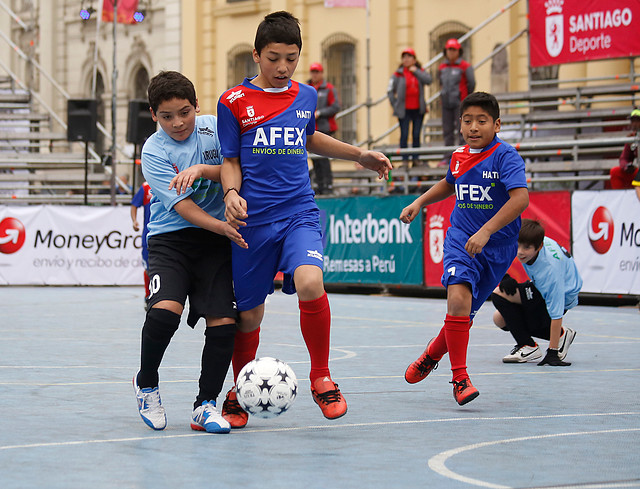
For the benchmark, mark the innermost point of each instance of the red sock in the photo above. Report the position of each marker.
(146, 284)
(244, 350)
(438, 347)
(456, 330)
(315, 325)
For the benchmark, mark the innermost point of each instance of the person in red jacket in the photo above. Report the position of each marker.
(457, 80)
(326, 110)
(622, 176)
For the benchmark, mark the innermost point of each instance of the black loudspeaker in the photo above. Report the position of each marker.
(140, 124)
(82, 117)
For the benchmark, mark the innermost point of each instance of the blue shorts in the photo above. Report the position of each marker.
(281, 246)
(483, 273)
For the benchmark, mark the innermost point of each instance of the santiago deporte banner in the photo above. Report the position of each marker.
(568, 31)
(69, 245)
(606, 240)
(366, 243)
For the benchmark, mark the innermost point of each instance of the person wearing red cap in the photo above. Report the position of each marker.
(623, 175)
(326, 110)
(406, 94)
(457, 80)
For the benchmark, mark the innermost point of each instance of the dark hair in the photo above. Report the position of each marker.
(278, 27)
(168, 85)
(531, 233)
(485, 101)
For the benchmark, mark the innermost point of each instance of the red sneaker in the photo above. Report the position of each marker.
(464, 391)
(422, 367)
(327, 395)
(233, 412)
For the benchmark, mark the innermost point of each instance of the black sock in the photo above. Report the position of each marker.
(216, 358)
(158, 329)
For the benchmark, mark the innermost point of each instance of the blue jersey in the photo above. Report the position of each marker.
(482, 181)
(555, 275)
(267, 131)
(163, 158)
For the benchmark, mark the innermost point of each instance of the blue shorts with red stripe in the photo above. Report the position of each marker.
(482, 272)
(281, 246)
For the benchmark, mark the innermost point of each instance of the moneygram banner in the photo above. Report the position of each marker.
(606, 240)
(366, 243)
(566, 31)
(68, 245)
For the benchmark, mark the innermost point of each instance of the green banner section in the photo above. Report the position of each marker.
(366, 243)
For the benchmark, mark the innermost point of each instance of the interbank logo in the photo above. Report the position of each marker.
(554, 27)
(600, 230)
(12, 235)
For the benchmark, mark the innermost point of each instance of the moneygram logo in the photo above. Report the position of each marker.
(600, 230)
(12, 235)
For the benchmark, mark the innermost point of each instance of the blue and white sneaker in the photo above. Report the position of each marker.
(150, 406)
(207, 418)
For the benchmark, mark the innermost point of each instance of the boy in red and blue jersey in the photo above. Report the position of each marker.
(488, 179)
(266, 126)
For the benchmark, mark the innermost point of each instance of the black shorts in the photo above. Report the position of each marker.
(193, 263)
(535, 309)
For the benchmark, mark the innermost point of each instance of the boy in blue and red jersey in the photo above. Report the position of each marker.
(488, 179)
(266, 126)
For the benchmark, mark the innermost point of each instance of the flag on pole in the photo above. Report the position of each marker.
(126, 9)
(345, 3)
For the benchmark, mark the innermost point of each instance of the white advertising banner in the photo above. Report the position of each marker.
(606, 240)
(69, 245)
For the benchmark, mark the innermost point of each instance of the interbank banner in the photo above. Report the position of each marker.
(606, 240)
(366, 243)
(68, 245)
(567, 31)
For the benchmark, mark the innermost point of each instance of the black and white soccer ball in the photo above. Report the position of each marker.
(266, 387)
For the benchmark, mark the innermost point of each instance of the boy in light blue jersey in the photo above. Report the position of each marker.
(267, 124)
(536, 308)
(487, 177)
(189, 249)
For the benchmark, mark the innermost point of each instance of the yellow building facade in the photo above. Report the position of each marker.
(360, 48)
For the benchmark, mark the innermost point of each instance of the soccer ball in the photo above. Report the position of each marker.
(266, 387)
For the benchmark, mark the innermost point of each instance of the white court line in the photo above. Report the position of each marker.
(541, 371)
(321, 427)
(437, 463)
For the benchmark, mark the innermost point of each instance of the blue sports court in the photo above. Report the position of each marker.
(69, 417)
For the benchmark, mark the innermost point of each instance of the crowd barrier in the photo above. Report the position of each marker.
(365, 242)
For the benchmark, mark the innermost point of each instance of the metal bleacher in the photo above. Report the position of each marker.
(569, 138)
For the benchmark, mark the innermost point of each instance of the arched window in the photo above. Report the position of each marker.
(339, 60)
(240, 64)
(140, 83)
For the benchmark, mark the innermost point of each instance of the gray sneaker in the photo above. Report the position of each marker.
(150, 406)
(523, 354)
(565, 342)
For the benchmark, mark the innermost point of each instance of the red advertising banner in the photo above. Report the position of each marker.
(552, 209)
(568, 31)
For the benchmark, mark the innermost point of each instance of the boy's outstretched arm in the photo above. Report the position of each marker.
(438, 192)
(517, 203)
(185, 179)
(235, 206)
(324, 145)
(193, 213)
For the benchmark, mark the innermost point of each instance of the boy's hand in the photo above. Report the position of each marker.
(183, 180)
(476, 242)
(551, 358)
(235, 209)
(136, 225)
(409, 213)
(376, 161)
(233, 235)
